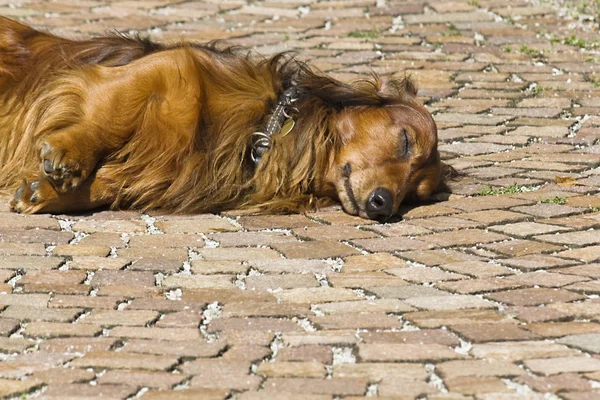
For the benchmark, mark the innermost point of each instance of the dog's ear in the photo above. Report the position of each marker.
(390, 87)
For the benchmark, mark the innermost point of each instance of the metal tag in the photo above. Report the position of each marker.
(287, 126)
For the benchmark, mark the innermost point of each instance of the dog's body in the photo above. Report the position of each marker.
(130, 124)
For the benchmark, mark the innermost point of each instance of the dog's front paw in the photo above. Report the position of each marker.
(63, 166)
(31, 197)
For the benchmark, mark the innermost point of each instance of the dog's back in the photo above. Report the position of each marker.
(21, 45)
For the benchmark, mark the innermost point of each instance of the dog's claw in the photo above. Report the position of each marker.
(48, 167)
(34, 188)
(19, 193)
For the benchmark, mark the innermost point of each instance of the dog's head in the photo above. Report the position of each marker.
(386, 154)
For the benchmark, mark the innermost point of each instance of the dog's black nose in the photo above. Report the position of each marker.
(380, 204)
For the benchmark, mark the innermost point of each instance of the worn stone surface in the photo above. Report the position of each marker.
(563, 364)
(492, 288)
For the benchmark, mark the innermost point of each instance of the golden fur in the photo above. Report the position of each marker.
(131, 124)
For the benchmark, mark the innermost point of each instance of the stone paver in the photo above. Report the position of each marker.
(563, 364)
(487, 292)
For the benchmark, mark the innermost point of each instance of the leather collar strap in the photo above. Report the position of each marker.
(280, 121)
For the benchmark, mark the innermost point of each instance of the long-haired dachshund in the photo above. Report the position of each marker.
(132, 124)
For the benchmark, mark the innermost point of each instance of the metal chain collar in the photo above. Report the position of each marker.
(279, 122)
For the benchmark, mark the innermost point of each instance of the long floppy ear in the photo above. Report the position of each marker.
(390, 87)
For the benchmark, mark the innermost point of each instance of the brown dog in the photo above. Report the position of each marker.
(131, 124)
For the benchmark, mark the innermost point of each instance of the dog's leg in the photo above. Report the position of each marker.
(111, 107)
(40, 196)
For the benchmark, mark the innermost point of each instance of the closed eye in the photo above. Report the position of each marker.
(404, 143)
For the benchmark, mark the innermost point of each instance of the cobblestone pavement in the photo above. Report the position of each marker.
(491, 294)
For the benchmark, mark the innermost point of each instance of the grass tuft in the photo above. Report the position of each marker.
(512, 189)
(554, 200)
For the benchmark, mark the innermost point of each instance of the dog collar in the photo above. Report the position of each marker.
(280, 122)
